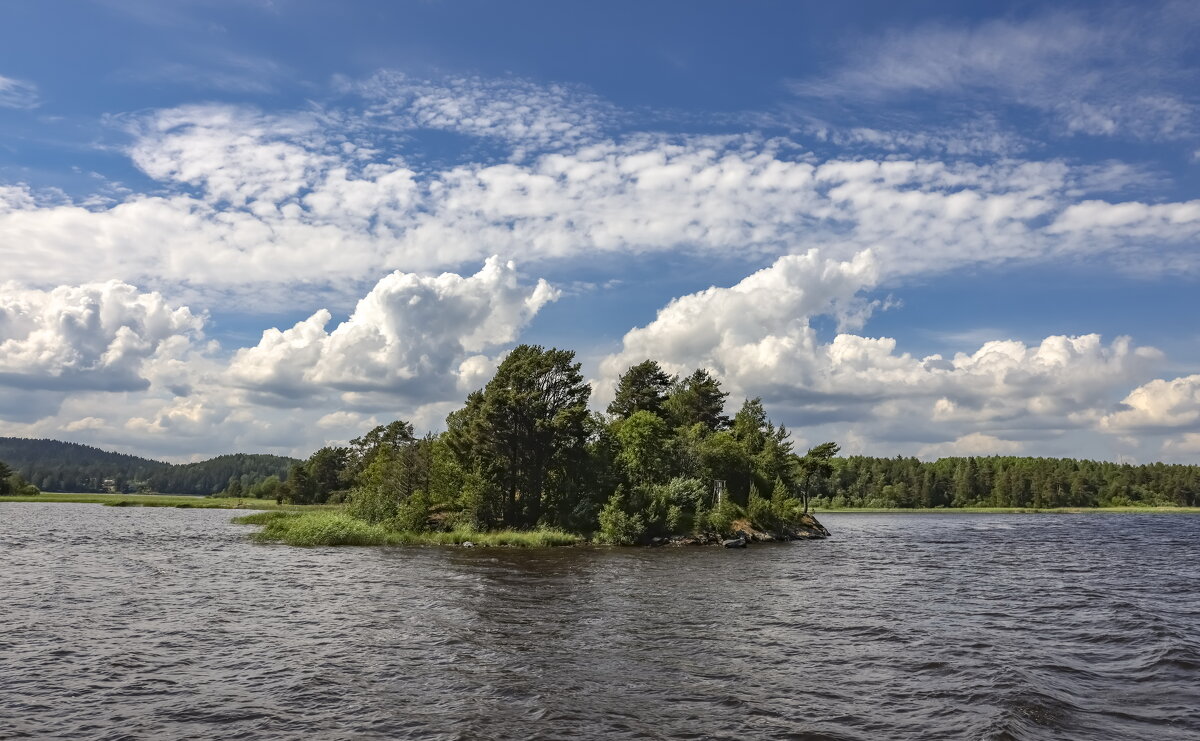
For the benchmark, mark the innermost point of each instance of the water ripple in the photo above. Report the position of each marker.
(144, 624)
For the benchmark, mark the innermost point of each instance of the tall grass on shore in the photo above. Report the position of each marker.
(338, 528)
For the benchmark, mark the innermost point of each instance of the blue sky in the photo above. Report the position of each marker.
(915, 228)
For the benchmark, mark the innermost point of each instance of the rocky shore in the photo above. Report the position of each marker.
(743, 533)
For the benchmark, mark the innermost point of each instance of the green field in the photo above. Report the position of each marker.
(152, 500)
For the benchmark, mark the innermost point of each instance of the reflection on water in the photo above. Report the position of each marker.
(158, 623)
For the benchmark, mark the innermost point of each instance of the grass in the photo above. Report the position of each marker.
(152, 500)
(338, 528)
(1012, 510)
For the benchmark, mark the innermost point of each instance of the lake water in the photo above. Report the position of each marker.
(161, 623)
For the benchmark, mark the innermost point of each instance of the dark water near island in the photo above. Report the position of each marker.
(161, 623)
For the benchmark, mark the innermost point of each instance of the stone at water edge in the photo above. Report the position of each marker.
(467, 544)
(735, 543)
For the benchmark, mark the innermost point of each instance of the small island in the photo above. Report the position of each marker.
(525, 462)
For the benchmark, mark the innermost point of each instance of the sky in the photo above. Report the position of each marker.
(926, 228)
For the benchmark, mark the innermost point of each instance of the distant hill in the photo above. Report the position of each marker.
(53, 465)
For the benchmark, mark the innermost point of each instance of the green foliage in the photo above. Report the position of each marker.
(1005, 481)
(618, 526)
(524, 436)
(722, 458)
(816, 466)
(12, 484)
(413, 513)
(697, 399)
(642, 388)
(642, 438)
(760, 512)
(721, 519)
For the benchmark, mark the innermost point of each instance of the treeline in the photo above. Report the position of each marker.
(1006, 481)
(525, 452)
(13, 484)
(53, 465)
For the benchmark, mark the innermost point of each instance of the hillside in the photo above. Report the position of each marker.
(53, 465)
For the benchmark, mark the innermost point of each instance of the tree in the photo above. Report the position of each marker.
(697, 399)
(391, 437)
(767, 445)
(643, 438)
(524, 435)
(5, 472)
(642, 388)
(815, 465)
(327, 469)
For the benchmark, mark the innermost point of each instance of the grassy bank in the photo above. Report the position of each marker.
(338, 528)
(152, 500)
(1013, 510)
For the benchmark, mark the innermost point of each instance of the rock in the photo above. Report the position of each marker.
(735, 543)
(467, 544)
(656, 542)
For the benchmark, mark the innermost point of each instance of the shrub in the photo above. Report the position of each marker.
(617, 526)
(721, 519)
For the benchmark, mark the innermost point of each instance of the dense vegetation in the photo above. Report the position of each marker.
(13, 484)
(859, 481)
(524, 460)
(525, 453)
(52, 465)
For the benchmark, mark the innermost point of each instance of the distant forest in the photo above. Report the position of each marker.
(52, 465)
(1005, 481)
(855, 481)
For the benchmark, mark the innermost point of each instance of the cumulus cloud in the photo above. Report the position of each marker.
(93, 336)
(758, 337)
(415, 337)
(1158, 405)
(17, 93)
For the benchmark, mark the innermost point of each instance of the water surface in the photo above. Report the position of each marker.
(122, 623)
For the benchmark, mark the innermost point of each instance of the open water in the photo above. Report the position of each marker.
(162, 623)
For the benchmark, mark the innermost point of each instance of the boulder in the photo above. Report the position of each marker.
(734, 543)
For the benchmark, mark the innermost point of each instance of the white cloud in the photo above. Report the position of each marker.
(19, 94)
(1102, 220)
(1112, 72)
(237, 155)
(93, 336)
(261, 210)
(974, 444)
(758, 337)
(414, 337)
(1186, 445)
(512, 109)
(1158, 405)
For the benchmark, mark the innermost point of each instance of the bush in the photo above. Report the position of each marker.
(618, 527)
(760, 512)
(721, 519)
(411, 515)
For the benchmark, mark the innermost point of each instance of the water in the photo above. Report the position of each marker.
(161, 623)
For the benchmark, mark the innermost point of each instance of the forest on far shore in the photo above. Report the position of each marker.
(526, 451)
